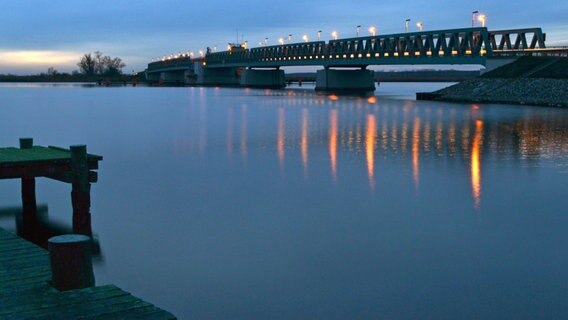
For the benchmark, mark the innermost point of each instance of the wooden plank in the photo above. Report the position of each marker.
(25, 292)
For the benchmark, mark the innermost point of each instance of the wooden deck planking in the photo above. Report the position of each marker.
(25, 292)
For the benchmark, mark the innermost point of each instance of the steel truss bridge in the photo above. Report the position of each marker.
(455, 46)
(345, 61)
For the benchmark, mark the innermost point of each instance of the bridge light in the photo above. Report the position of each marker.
(359, 56)
(454, 52)
(281, 41)
(417, 53)
(441, 53)
(319, 35)
(386, 54)
(373, 31)
(468, 52)
(368, 55)
(351, 56)
(428, 53)
(406, 25)
(420, 25)
(406, 54)
(357, 30)
(201, 53)
(290, 38)
(482, 19)
(334, 35)
(396, 54)
(378, 55)
(305, 38)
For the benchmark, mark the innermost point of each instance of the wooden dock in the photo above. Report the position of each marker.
(26, 293)
(29, 274)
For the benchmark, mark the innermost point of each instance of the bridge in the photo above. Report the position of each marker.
(345, 61)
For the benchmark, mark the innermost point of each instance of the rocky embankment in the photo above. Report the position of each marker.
(531, 91)
(531, 81)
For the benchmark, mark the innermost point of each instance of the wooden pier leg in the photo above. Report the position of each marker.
(80, 192)
(71, 262)
(29, 204)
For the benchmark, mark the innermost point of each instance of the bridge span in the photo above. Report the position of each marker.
(345, 61)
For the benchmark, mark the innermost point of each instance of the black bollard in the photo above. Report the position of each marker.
(71, 262)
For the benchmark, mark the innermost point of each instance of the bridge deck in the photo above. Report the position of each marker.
(25, 292)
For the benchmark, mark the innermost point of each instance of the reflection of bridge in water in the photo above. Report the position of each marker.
(377, 132)
(345, 61)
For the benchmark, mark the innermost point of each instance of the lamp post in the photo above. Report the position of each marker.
(290, 38)
(265, 41)
(305, 38)
(420, 26)
(482, 19)
(473, 13)
(319, 35)
(334, 35)
(281, 41)
(406, 25)
(357, 30)
(373, 31)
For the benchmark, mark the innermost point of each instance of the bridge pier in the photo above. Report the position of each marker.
(218, 76)
(172, 77)
(345, 80)
(264, 78)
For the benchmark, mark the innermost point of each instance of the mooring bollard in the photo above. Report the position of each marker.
(71, 262)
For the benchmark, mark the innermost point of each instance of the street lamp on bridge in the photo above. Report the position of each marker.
(334, 35)
(281, 41)
(473, 13)
(482, 19)
(319, 35)
(406, 25)
(305, 38)
(290, 38)
(357, 30)
(420, 25)
(373, 31)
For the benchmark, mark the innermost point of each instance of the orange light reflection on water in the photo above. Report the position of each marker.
(370, 149)
(333, 143)
(281, 137)
(416, 152)
(304, 139)
(476, 163)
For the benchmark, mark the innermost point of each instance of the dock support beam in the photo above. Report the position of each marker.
(334, 80)
(29, 204)
(80, 191)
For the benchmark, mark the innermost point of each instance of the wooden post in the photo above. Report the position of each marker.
(71, 262)
(29, 204)
(80, 191)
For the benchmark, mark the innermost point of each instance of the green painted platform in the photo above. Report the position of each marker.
(25, 292)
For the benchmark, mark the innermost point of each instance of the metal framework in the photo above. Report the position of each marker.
(456, 46)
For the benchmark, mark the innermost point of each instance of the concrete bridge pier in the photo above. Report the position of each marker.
(218, 76)
(263, 78)
(335, 80)
(172, 77)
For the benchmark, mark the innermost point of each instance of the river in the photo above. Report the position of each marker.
(226, 203)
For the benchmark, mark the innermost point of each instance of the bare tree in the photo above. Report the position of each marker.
(87, 64)
(99, 64)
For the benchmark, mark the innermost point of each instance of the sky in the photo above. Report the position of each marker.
(38, 34)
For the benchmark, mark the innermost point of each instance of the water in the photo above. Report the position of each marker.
(256, 204)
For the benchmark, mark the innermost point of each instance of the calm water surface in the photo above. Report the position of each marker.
(256, 204)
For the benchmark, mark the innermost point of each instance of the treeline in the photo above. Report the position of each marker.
(93, 67)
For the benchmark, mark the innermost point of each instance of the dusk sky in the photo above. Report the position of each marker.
(37, 34)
